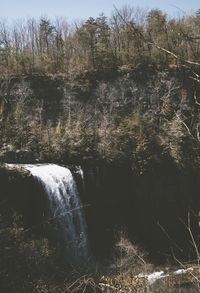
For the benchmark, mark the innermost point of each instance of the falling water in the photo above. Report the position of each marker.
(65, 207)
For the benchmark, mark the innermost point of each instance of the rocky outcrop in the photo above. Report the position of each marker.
(9, 155)
(21, 194)
(117, 90)
(152, 209)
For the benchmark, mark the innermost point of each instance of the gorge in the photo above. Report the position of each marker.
(139, 172)
(100, 151)
(151, 208)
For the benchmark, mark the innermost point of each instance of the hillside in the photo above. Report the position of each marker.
(100, 153)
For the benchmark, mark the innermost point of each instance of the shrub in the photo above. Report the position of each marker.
(24, 261)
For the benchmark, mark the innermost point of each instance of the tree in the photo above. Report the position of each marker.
(46, 34)
(156, 30)
(88, 34)
(5, 46)
(104, 54)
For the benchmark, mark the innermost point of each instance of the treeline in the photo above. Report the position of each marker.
(131, 36)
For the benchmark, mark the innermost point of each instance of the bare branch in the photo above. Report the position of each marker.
(174, 55)
(136, 31)
(195, 98)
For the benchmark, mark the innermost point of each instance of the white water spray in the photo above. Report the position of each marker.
(65, 207)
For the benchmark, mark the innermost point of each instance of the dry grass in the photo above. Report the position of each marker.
(130, 257)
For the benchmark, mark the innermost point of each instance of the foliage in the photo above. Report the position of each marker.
(140, 139)
(179, 144)
(24, 260)
(134, 140)
(130, 36)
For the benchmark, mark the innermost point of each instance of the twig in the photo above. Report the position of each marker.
(188, 228)
(164, 231)
(54, 217)
(195, 98)
(193, 241)
(190, 272)
(110, 286)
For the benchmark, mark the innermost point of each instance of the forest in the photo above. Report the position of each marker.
(131, 36)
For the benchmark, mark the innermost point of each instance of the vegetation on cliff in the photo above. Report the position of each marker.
(136, 118)
(129, 85)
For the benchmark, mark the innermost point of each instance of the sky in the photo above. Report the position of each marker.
(82, 9)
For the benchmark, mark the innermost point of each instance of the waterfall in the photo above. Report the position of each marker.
(65, 207)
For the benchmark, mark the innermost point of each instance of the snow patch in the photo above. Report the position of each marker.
(152, 278)
(183, 271)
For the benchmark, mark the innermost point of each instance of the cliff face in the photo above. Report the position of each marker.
(44, 114)
(135, 132)
(36, 92)
(21, 194)
(115, 91)
(152, 209)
